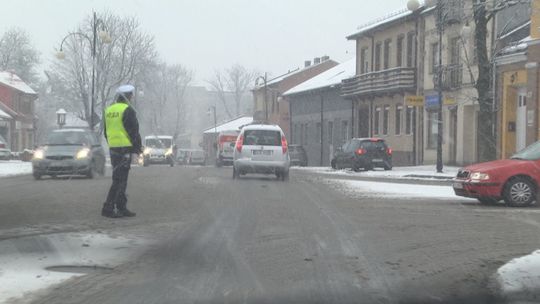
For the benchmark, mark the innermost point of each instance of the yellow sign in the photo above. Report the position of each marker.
(414, 101)
(535, 19)
(449, 102)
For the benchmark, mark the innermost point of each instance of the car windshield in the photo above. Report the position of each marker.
(159, 143)
(262, 138)
(269, 151)
(532, 152)
(67, 138)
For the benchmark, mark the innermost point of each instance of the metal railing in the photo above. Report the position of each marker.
(380, 82)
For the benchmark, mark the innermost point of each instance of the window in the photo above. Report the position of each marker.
(344, 130)
(455, 48)
(363, 61)
(262, 138)
(433, 128)
(301, 135)
(385, 119)
(399, 46)
(318, 133)
(295, 134)
(378, 56)
(409, 120)
(387, 48)
(410, 50)
(376, 120)
(306, 126)
(330, 132)
(399, 111)
(434, 58)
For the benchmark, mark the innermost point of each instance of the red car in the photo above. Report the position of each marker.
(513, 180)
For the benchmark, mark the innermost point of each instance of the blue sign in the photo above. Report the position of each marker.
(432, 102)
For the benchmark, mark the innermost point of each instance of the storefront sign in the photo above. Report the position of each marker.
(432, 102)
(414, 101)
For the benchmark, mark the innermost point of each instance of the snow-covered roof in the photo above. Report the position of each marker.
(291, 73)
(4, 115)
(234, 124)
(15, 82)
(333, 76)
(380, 22)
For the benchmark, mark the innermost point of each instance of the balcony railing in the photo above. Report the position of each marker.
(452, 77)
(380, 83)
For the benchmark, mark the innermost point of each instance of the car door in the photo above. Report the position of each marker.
(341, 155)
(349, 155)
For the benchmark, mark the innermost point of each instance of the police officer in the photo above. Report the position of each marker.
(122, 134)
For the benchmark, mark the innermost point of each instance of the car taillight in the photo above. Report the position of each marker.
(284, 144)
(239, 143)
(389, 151)
(360, 151)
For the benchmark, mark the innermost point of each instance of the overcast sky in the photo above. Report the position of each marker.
(272, 35)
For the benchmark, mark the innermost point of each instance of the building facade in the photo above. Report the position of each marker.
(17, 101)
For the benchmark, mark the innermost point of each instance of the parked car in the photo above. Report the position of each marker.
(365, 153)
(513, 180)
(158, 149)
(225, 147)
(196, 157)
(261, 149)
(5, 154)
(182, 156)
(298, 155)
(69, 152)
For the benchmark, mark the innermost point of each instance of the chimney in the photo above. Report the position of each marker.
(316, 60)
(307, 63)
(325, 58)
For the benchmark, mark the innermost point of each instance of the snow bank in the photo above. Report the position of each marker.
(10, 168)
(394, 190)
(520, 278)
(408, 173)
(23, 261)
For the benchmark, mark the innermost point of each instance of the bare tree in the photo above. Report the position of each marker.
(18, 54)
(124, 60)
(180, 78)
(236, 80)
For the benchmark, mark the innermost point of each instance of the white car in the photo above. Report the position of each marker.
(261, 149)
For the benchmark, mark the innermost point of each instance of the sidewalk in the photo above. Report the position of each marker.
(14, 167)
(424, 175)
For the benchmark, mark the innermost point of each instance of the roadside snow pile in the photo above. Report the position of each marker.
(519, 279)
(10, 168)
(24, 262)
(394, 190)
(409, 173)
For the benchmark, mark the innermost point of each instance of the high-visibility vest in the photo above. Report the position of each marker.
(116, 133)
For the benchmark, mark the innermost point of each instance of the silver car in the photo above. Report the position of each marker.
(261, 149)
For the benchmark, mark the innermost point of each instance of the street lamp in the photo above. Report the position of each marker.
(61, 118)
(105, 38)
(209, 112)
(265, 83)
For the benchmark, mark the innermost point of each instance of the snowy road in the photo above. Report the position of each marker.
(311, 240)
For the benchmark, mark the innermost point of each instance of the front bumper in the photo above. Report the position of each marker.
(157, 159)
(468, 188)
(263, 167)
(61, 167)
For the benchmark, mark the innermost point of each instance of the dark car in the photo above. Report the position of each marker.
(298, 155)
(69, 152)
(365, 153)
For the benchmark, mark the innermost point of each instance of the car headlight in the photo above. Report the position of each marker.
(479, 176)
(169, 152)
(83, 153)
(147, 151)
(39, 154)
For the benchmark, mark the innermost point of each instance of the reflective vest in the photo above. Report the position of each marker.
(116, 133)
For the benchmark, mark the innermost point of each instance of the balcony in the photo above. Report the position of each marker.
(452, 77)
(380, 83)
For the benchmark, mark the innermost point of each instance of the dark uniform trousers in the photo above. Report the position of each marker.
(121, 163)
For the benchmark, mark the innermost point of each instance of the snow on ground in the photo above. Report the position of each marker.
(519, 279)
(393, 190)
(14, 167)
(411, 173)
(23, 261)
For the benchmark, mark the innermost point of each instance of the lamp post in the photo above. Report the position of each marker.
(61, 118)
(209, 112)
(265, 82)
(105, 38)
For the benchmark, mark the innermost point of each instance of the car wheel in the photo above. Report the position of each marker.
(284, 175)
(91, 171)
(146, 163)
(37, 176)
(101, 171)
(387, 167)
(355, 168)
(333, 164)
(519, 192)
(172, 163)
(487, 201)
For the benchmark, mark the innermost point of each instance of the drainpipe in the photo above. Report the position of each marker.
(322, 128)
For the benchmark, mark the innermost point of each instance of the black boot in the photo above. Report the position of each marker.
(108, 211)
(125, 212)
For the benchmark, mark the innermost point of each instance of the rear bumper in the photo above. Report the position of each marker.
(264, 167)
(63, 167)
(466, 188)
(158, 160)
(363, 162)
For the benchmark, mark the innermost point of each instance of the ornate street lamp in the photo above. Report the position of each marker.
(61, 118)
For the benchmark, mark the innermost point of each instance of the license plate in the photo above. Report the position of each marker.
(262, 152)
(377, 160)
(57, 164)
(458, 186)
